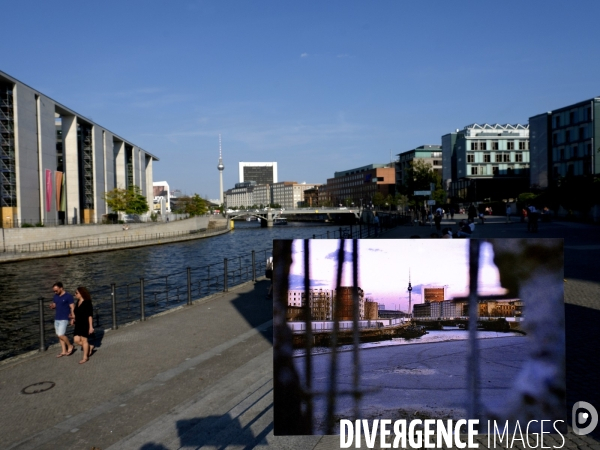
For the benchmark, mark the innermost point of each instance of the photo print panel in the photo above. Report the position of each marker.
(381, 329)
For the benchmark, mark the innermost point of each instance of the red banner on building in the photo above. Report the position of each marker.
(48, 190)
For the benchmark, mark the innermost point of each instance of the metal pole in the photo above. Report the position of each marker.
(225, 275)
(42, 330)
(473, 351)
(189, 286)
(142, 301)
(114, 306)
(253, 267)
(351, 237)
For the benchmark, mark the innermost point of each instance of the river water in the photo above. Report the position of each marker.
(445, 335)
(27, 280)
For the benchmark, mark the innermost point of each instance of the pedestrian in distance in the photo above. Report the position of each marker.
(63, 305)
(472, 212)
(84, 312)
(508, 213)
(438, 221)
(376, 223)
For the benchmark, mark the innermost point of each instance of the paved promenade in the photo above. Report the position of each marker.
(201, 377)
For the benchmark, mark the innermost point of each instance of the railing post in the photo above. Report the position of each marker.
(253, 267)
(189, 286)
(340, 232)
(114, 306)
(225, 275)
(42, 330)
(142, 301)
(351, 236)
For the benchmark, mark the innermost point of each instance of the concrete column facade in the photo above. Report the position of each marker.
(99, 183)
(71, 164)
(119, 152)
(26, 156)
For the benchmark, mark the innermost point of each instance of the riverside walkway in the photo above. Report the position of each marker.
(201, 376)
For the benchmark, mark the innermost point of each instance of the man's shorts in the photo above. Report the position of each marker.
(61, 327)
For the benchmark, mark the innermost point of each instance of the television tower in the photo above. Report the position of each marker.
(221, 167)
(409, 295)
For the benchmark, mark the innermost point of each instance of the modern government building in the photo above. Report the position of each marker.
(56, 165)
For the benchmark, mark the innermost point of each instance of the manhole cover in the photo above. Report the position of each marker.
(36, 388)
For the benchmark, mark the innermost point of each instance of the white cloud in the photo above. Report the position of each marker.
(304, 55)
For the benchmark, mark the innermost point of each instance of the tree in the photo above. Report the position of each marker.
(193, 206)
(378, 199)
(420, 176)
(136, 202)
(130, 200)
(116, 199)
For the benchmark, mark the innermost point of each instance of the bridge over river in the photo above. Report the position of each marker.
(269, 216)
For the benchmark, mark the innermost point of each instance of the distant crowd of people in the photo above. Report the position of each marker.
(466, 227)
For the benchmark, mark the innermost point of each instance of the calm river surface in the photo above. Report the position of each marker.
(27, 280)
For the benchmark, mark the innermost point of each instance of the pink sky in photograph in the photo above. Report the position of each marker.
(383, 268)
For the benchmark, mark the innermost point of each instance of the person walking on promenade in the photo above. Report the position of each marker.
(438, 221)
(532, 223)
(83, 322)
(508, 213)
(376, 222)
(472, 212)
(451, 213)
(63, 305)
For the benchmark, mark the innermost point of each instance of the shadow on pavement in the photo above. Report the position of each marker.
(255, 308)
(222, 431)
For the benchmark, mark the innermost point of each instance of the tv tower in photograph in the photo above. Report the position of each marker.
(221, 167)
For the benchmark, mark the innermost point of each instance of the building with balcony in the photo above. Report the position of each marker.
(56, 164)
(320, 301)
(564, 142)
(486, 162)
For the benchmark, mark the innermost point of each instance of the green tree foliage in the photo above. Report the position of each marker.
(130, 201)
(378, 199)
(136, 202)
(116, 199)
(420, 176)
(194, 206)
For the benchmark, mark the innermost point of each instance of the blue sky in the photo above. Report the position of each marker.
(316, 86)
(384, 266)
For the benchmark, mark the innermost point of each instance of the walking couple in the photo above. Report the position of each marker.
(77, 312)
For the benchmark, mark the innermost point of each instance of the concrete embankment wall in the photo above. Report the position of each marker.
(23, 236)
(35, 243)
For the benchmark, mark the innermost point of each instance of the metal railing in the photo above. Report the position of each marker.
(33, 223)
(30, 325)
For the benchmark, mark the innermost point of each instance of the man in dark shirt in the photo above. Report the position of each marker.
(64, 306)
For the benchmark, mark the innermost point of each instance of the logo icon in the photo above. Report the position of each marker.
(583, 413)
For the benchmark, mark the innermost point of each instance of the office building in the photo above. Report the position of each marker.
(429, 154)
(486, 162)
(289, 194)
(56, 165)
(564, 142)
(358, 186)
(260, 172)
